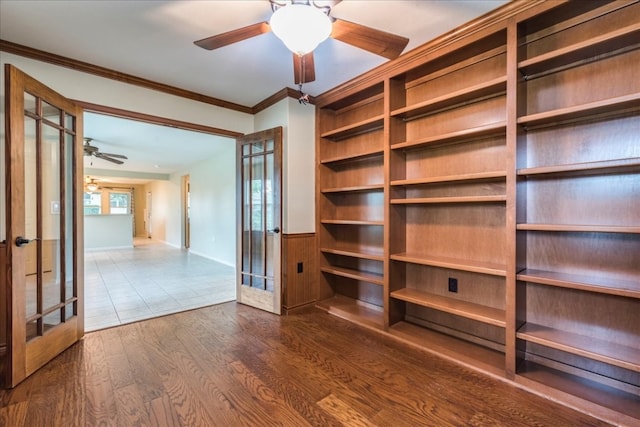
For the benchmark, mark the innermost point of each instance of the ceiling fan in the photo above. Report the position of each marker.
(375, 41)
(90, 185)
(92, 150)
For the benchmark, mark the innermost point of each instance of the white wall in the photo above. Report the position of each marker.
(108, 231)
(165, 211)
(213, 206)
(298, 158)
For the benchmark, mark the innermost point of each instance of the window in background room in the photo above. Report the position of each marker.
(119, 203)
(92, 203)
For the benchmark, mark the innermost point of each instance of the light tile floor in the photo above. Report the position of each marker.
(149, 280)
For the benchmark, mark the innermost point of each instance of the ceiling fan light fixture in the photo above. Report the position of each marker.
(301, 27)
(92, 186)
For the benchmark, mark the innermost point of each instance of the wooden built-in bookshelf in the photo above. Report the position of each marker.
(479, 198)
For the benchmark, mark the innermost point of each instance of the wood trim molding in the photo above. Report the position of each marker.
(156, 120)
(51, 58)
(96, 70)
(287, 92)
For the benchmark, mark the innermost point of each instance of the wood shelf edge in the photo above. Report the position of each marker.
(350, 222)
(474, 176)
(593, 398)
(362, 255)
(579, 228)
(581, 110)
(444, 200)
(457, 136)
(368, 277)
(603, 166)
(353, 157)
(358, 312)
(609, 352)
(467, 94)
(614, 286)
(469, 310)
(572, 53)
(456, 350)
(363, 126)
(453, 264)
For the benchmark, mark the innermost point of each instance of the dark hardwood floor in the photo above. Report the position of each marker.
(231, 365)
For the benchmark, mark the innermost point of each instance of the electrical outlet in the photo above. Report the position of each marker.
(453, 284)
(299, 267)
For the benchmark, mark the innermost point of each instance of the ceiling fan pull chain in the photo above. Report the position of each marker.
(304, 97)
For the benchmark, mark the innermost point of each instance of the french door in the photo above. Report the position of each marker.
(259, 181)
(44, 224)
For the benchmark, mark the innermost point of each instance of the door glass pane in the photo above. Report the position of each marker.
(51, 223)
(257, 221)
(269, 206)
(257, 147)
(246, 217)
(69, 122)
(51, 113)
(68, 212)
(30, 215)
(29, 103)
(52, 319)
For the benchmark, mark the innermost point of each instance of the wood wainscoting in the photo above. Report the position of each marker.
(3, 301)
(299, 267)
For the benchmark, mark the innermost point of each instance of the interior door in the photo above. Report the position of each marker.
(259, 220)
(44, 224)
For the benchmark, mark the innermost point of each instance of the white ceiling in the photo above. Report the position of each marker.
(154, 40)
(151, 149)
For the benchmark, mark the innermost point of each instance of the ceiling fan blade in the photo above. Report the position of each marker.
(303, 68)
(233, 36)
(119, 156)
(109, 159)
(375, 41)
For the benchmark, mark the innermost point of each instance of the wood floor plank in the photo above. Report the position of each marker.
(161, 413)
(131, 409)
(231, 365)
(14, 414)
(100, 406)
(344, 412)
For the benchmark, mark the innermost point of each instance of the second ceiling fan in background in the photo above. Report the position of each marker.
(375, 41)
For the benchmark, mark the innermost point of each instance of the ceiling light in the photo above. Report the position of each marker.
(301, 27)
(92, 186)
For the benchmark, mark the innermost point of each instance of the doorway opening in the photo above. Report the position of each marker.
(151, 275)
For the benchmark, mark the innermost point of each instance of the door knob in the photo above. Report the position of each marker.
(275, 230)
(21, 241)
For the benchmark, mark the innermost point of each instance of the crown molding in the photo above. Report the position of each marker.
(107, 73)
(156, 120)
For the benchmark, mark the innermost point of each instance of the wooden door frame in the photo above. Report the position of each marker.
(186, 223)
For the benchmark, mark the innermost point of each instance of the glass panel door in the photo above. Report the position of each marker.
(45, 248)
(259, 189)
